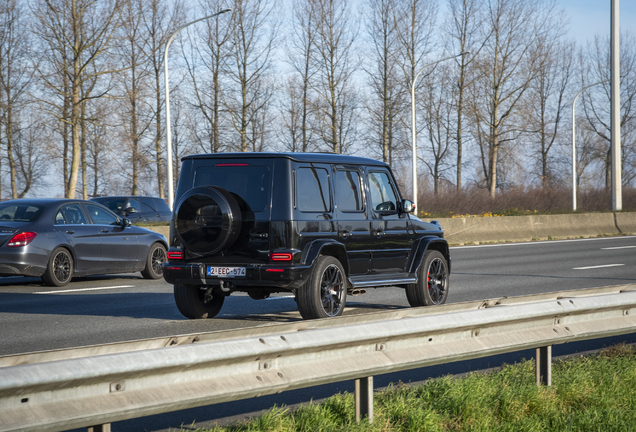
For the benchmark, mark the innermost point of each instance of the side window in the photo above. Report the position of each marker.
(160, 204)
(382, 193)
(348, 191)
(102, 216)
(70, 214)
(312, 190)
(134, 204)
(147, 204)
(146, 208)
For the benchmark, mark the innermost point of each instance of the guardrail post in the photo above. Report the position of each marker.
(544, 366)
(364, 399)
(99, 428)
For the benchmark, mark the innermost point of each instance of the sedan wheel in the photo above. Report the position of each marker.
(60, 269)
(154, 262)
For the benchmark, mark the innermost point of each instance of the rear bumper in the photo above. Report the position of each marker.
(274, 276)
(15, 269)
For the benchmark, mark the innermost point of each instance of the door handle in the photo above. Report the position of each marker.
(104, 230)
(70, 232)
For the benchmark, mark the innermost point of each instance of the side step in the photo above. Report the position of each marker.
(380, 280)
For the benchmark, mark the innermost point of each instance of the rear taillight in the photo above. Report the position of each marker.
(281, 257)
(21, 239)
(175, 255)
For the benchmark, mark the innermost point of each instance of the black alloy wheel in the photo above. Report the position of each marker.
(60, 269)
(325, 293)
(197, 303)
(437, 276)
(431, 288)
(154, 262)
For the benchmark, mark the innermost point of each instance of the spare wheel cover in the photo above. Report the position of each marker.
(207, 219)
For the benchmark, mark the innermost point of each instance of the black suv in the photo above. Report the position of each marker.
(316, 225)
(137, 208)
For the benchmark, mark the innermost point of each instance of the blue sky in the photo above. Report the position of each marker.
(591, 17)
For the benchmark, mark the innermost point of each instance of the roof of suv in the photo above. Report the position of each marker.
(299, 157)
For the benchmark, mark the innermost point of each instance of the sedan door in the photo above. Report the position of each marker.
(71, 221)
(121, 250)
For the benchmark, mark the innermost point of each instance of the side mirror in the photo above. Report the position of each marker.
(408, 206)
(126, 222)
(129, 210)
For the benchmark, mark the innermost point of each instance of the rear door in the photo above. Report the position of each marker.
(313, 203)
(72, 222)
(354, 229)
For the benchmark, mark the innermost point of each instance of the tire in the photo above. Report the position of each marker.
(59, 271)
(156, 257)
(207, 219)
(432, 284)
(325, 293)
(192, 303)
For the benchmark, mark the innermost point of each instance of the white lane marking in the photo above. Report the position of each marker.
(530, 243)
(598, 266)
(280, 297)
(619, 247)
(84, 289)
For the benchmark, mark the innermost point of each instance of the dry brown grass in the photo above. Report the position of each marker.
(520, 201)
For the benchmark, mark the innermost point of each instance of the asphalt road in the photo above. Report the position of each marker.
(96, 310)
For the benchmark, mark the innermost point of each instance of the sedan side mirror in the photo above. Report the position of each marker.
(408, 206)
(126, 222)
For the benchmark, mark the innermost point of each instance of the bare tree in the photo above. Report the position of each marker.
(548, 101)
(135, 113)
(334, 61)
(508, 64)
(206, 69)
(387, 91)
(300, 48)
(464, 35)
(254, 28)
(75, 33)
(597, 106)
(31, 163)
(159, 23)
(15, 78)
(440, 123)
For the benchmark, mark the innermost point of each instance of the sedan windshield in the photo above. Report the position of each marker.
(11, 212)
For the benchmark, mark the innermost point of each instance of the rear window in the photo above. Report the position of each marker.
(312, 190)
(19, 212)
(249, 182)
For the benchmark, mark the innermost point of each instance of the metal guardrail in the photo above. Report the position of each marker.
(66, 389)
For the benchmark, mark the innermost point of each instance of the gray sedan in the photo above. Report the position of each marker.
(58, 239)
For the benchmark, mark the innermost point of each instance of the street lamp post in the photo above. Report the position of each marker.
(168, 130)
(574, 143)
(414, 131)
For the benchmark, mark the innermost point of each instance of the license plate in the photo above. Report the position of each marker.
(226, 271)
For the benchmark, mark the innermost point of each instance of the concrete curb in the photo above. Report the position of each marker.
(524, 228)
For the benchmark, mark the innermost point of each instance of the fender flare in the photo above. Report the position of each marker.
(334, 248)
(421, 246)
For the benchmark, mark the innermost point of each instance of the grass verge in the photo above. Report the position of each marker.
(593, 393)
